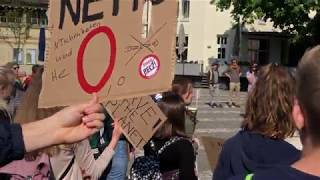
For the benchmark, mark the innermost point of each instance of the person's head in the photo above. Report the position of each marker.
(184, 88)
(173, 107)
(234, 61)
(269, 106)
(35, 68)
(7, 79)
(254, 67)
(306, 112)
(215, 66)
(14, 67)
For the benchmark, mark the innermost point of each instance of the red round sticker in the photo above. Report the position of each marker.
(149, 66)
(106, 76)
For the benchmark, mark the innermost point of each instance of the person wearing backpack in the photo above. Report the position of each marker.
(267, 122)
(306, 113)
(169, 154)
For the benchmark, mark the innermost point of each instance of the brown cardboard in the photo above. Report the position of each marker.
(139, 118)
(213, 147)
(117, 61)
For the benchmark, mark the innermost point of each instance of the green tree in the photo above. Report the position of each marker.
(293, 16)
(17, 27)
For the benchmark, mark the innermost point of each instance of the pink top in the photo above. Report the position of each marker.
(252, 78)
(37, 169)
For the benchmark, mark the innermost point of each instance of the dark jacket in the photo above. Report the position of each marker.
(248, 152)
(281, 173)
(11, 143)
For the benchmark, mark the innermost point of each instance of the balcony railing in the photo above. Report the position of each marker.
(32, 21)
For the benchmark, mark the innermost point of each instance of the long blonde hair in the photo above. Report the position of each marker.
(269, 105)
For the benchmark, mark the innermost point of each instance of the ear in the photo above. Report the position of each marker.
(298, 116)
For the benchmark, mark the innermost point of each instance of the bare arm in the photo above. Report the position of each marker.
(84, 155)
(250, 78)
(69, 125)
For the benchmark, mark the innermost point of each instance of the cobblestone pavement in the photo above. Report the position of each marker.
(216, 122)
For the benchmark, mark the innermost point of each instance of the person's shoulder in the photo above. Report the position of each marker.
(283, 173)
(232, 141)
(184, 142)
(182, 145)
(274, 174)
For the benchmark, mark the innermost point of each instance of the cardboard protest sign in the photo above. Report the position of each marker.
(213, 147)
(139, 118)
(97, 46)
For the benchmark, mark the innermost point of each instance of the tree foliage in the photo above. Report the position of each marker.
(16, 29)
(300, 17)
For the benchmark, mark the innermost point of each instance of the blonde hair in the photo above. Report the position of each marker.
(6, 79)
(269, 105)
(6, 76)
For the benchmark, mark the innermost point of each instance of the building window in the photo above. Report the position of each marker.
(222, 42)
(18, 55)
(258, 51)
(185, 52)
(31, 56)
(186, 8)
(221, 53)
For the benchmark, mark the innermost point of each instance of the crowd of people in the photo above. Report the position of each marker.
(84, 142)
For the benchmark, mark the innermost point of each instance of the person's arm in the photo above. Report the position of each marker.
(84, 155)
(186, 160)
(250, 77)
(226, 73)
(240, 73)
(69, 125)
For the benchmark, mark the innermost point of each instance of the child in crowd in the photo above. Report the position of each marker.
(178, 158)
(184, 88)
(306, 113)
(267, 122)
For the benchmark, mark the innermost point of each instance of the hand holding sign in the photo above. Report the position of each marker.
(93, 49)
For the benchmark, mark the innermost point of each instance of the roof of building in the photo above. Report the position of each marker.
(42, 4)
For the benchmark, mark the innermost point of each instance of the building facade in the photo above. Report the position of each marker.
(212, 35)
(20, 24)
(209, 35)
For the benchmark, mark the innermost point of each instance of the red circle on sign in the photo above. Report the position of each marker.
(106, 76)
(148, 59)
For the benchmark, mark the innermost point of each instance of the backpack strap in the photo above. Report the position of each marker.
(168, 143)
(67, 169)
(249, 177)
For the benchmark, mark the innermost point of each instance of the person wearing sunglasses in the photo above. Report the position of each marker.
(14, 100)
